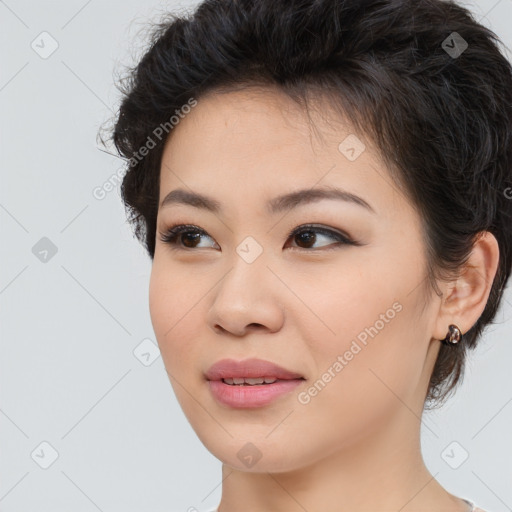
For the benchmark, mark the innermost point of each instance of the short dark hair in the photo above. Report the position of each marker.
(438, 112)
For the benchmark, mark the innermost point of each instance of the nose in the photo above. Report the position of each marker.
(246, 299)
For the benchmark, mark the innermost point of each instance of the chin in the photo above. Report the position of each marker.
(258, 454)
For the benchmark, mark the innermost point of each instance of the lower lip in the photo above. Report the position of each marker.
(251, 396)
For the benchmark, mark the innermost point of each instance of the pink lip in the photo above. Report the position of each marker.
(248, 368)
(247, 396)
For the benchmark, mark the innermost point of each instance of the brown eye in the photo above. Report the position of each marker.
(189, 238)
(307, 236)
(187, 234)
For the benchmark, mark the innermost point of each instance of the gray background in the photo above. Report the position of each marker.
(72, 374)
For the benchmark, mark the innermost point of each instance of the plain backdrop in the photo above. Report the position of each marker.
(88, 419)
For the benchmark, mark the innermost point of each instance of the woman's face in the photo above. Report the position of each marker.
(349, 319)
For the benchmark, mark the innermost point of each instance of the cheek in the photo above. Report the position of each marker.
(373, 384)
(370, 358)
(341, 303)
(175, 310)
(173, 306)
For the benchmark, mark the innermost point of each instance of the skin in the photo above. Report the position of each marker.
(355, 446)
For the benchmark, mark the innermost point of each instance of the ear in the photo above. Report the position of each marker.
(464, 299)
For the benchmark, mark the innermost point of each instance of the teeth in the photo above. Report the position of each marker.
(258, 380)
(251, 382)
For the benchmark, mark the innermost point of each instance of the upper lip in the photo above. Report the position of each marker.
(248, 368)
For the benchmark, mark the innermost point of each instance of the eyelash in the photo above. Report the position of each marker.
(170, 236)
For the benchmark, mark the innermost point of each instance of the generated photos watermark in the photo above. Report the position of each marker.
(304, 397)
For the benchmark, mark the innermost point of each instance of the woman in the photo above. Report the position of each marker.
(324, 189)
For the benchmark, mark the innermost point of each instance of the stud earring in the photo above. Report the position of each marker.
(453, 337)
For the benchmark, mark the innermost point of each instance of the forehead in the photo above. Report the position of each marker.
(259, 140)
(264, 114)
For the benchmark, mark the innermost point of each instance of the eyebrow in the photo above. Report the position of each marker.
(276, 205)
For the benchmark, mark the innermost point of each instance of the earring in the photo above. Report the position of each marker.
(453, 337)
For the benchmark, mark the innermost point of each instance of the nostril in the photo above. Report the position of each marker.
(255, 325)
(222, 330)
